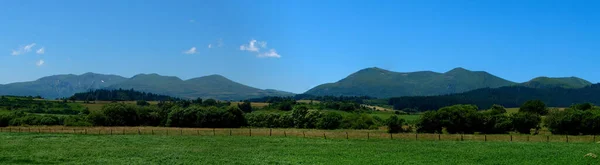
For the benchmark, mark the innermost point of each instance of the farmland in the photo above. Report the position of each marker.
(32, 148)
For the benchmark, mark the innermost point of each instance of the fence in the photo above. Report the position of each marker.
(305, 133)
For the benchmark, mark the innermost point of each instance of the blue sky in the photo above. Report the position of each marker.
(298, 44)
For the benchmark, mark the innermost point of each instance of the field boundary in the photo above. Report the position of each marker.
(304, 133)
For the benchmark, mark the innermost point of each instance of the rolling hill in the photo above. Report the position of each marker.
(213, 86)
(558, 82)
(382, 83)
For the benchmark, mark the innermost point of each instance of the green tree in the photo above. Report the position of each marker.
(583, 106)
(210, 102)
(330, 120)
(523, 122)
(497, 109)
(534, 106)
(142, 103)
(246, 106)
(120, 114)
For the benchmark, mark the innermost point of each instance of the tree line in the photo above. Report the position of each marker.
(512, 96)
(119, 95)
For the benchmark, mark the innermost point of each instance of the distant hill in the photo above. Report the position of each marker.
(560, 82)
(214, 86)
(60, 85)
(512, 96)
(382, 83)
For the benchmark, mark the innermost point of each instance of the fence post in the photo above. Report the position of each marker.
(152, 131)
(123, 131)
(439, 137)
(270, 131)
(198, 132)
(139, 132)
(19, 129)
(73, 130)
(511, 138)
(250, 128)
(29, 129)
(214, 133)
(85, 131)
(346, 135)
(284, 134)
(167, 131)
(594, 138)
(39, 130)
(181, 131)
(461, 137)
(368, 136)
(110, 131)
(229, 131)
(303, 134)
(324, 137)
(547, 138)
(567, 138)
(391, 136)
(416, 136)
(485, 138)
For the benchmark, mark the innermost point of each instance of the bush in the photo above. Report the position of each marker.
(142, 103)
(96, 118)
(119, 114)
(394, 124)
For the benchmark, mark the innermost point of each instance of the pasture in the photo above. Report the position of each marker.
(51, 148)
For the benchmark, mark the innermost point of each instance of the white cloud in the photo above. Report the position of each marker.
(270, 54)
(262, 44)
(40, 63)
(209, 46)
(41, 51)
(191, 51)
(22, 50)
(251, 47)
(220, 42)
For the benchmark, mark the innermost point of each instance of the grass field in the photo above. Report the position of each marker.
(31, 148)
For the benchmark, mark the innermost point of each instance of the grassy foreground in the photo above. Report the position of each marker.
(32, 148)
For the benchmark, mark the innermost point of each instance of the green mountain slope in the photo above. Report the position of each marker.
(382, 83)
(560, 82)
(60, 85)
(214, 86)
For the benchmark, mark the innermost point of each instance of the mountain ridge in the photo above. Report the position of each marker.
(377, 82)
(210, 86)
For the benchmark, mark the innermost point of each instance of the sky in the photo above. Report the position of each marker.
(296, 45)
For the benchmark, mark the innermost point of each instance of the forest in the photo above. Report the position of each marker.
(512, 96)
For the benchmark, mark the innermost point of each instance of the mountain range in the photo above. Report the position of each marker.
(213, 86)
(374, 82)
(377, 82)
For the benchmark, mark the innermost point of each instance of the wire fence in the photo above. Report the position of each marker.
(305, 133)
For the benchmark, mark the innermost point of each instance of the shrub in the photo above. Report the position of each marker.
(330, 120)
